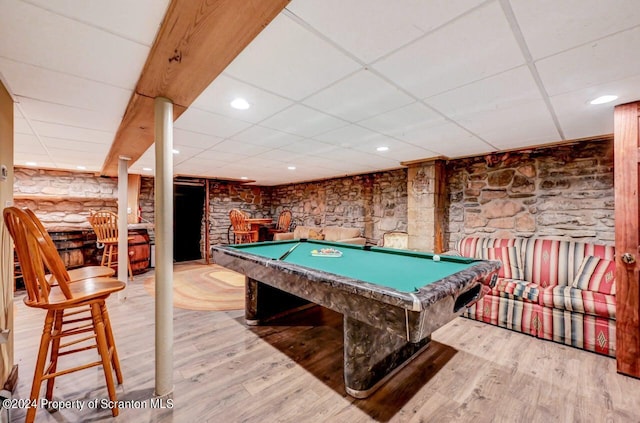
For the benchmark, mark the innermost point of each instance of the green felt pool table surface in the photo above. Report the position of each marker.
(402, 270)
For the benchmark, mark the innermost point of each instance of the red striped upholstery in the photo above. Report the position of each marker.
(579, 330)
(578, 300)
(567, 293)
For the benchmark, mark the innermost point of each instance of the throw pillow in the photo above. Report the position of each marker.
(596, 274)
(510, 258)
(313, 234)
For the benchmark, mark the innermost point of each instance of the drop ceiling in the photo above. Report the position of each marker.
(328, 82)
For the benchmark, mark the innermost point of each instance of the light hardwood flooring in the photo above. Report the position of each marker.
(292, 372)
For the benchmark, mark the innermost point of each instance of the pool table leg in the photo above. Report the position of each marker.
(372, 356)
(264, 302)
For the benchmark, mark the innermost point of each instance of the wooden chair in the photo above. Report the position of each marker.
(241, 227)
(75, 274)
(76, 310)
(283, 224)
(105, 225)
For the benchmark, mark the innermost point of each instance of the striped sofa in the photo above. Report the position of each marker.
(562, 291)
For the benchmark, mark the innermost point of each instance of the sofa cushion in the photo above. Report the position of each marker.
(510, 258)
(303, 231)
(553, 262)
(473, 246)
(596, 274)
(516, 289)
(579, 301)
(313, 234)
(337, 233)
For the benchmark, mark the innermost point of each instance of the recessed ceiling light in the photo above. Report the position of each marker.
(240, 104)
(382, 148)
(244, 177)
(31, 164)
(148, 169)
(175, 151)
(81, 167)
(291, 168)
(603, 99)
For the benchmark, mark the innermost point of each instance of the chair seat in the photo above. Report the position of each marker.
(84, 291)
(85, 273)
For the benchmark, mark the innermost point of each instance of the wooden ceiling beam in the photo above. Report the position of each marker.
(196, 42)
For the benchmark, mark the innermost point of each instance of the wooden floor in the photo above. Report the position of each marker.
(292, 372)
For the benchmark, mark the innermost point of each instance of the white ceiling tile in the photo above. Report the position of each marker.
(220, 156)
(446, 139)
(592, 64)
(68, 116)
(69, 46)
(288, 60)
(407, 118)
(303, 121)
(308, 146)
(27, 143)
(370, 29)
(399, 151)
(507, 128)
(196, 120)
(41, 160)
(20, 125)
(56, 87)
(352, 135)
(55, 144)
(579, 119)
(357, 159)
(223, 90)
(184, 152)
(505, 90)
(265, 137)
(194, 139)
(240, 147)
(473, 47)
(54, 130)
(138, 21)
(359, 96)
(277, 155)
(551, 26)
(505, 110)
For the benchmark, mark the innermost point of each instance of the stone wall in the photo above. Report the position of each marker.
(224, 196)
(375, 202)
(563, 192)
(63, 198)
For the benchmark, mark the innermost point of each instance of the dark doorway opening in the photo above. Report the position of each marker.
(188, 209)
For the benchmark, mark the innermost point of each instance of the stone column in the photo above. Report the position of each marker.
(426, 198)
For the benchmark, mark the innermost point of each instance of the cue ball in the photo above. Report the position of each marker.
(436, 257)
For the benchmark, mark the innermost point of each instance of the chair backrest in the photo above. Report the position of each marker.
(239, 221)
(104, 224)
(284, 220)
(35, 252)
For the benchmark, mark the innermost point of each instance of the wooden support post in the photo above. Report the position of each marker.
(627, 230)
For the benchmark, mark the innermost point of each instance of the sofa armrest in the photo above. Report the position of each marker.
(282, 236)
(358, 240)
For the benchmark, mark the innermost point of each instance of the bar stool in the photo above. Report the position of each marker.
(105, 225)
(75, 309)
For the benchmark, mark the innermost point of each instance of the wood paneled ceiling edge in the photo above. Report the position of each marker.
(196, 42)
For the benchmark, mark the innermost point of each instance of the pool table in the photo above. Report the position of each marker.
(391, 300)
